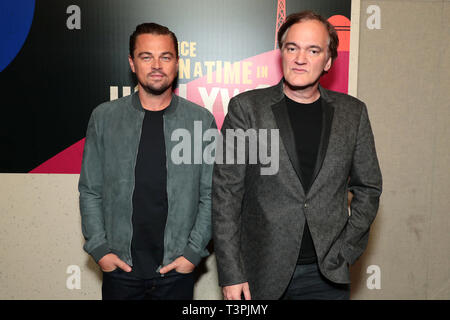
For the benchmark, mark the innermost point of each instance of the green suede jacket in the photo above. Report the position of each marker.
(107, 179)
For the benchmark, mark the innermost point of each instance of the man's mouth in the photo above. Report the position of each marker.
(156, 75)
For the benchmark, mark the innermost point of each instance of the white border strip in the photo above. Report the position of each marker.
(354, 48)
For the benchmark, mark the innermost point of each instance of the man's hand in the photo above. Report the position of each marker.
(111, 262)
(180, 264)
(234, 292)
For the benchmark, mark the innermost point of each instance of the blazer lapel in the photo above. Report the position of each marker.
(280, 112)
(327, 119)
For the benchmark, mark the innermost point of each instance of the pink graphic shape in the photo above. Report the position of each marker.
(67, 161)
(337, 78)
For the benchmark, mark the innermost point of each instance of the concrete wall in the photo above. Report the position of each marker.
(403, 76)
(401, 71)
(40, 239)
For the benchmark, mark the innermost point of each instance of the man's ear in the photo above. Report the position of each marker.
(328, 64)
(130, 60)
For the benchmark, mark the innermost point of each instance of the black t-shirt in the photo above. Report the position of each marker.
(149, 198)
(306, 122)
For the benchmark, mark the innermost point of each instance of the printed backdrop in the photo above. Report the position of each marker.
(60, 59)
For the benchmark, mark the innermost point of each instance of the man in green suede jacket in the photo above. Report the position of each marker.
(146, 216)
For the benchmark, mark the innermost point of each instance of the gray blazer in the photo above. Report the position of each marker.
(258, 220)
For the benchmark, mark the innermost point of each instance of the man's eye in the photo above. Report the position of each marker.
(146, 58)
(166, 58)
(290, 49)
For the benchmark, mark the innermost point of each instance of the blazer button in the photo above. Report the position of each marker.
(306, 205)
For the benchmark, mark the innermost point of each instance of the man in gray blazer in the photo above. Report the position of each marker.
(290, 234)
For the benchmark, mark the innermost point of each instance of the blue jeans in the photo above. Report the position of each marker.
(119, 285)
(308, 283)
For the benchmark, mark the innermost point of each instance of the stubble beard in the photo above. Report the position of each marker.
(156, 91)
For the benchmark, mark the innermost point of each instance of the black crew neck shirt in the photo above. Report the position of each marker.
(149, 198)
(306, 123)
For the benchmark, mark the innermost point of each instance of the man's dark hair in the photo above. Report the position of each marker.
(294, 18)
(152, 28)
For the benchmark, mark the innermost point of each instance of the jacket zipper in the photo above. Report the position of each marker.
(132, 190)
(167, 194)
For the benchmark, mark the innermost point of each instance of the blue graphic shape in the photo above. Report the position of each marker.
(16, 17)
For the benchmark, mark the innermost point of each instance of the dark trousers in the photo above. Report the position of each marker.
(119, 285)
(308, 283)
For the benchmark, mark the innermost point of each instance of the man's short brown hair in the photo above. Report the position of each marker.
(294, 18)
(152, 28)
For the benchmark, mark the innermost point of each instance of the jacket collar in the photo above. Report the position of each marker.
(324, 93)
(136, 102)
(278, 93)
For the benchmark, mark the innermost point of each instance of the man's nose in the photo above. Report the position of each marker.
(300, 57)
(156, 64)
